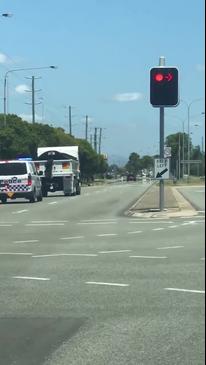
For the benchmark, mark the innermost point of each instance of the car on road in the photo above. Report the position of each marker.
(19, 179)
(131, 177)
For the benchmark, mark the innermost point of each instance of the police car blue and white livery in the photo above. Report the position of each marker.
(19, 179)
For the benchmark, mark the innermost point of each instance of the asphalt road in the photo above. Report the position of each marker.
(82, 284)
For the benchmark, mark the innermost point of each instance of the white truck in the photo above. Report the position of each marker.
(59, 169)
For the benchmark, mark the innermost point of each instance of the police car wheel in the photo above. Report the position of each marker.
(4, 199)
(33, 197)
(39, 198)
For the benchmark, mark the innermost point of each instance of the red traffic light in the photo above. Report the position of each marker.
(159, 77)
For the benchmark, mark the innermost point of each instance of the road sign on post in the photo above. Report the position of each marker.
(162, 168)
(164, 86)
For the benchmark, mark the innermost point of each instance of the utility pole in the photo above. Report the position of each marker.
(95, 139)
(100, 139)
(33, 78)
(86, 128)
(91, 139)
(70, 120)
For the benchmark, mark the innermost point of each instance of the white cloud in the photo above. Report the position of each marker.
(200, 67)
(22, 88)
(3, 58)
(125, 97)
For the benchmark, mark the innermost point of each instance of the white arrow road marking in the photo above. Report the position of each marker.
(150, 257)
(102, 283)
(30, 278)
(65, 254)
(167, 248)
(186, 290)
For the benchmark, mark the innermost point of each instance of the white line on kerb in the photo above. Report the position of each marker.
(30, 278)
(28, 241)
(65, 254)
(102, 283)
(150, 257)
(71, 238)
(134, 232)
(16, 253)
(118, 251)
(186, 290)
(106, 234)
(167, 248)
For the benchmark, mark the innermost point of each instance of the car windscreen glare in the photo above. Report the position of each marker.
(13, 168)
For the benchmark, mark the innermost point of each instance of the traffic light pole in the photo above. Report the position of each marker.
(161, 183)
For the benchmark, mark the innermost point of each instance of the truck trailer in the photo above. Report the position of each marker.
(59, 169)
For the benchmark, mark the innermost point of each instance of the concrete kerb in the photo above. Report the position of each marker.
(183, 207)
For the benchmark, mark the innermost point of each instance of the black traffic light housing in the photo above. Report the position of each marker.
(164, 86)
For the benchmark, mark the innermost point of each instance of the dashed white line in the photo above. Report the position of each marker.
(43, 224)
(150, 222)
(150, 257)
(30, 278)
(100, 222)
(118, 251)
(186, 290)
(167, 248)
(134, 232)
(65, 254)
(158, 229)
(175, 226)
(16, 253)
(102, 283)
(71, 238)
(5, 225)
(20, 211)
(106, 234)
(58, 221)
(26, 241)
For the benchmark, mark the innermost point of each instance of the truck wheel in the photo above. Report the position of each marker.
(4, 199)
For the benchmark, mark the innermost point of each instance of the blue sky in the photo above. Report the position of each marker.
(104, 50)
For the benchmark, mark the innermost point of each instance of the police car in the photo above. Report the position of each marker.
(19, 179)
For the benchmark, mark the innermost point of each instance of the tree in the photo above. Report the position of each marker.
(134, 164)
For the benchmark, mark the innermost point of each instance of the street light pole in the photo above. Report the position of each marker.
(18, 70)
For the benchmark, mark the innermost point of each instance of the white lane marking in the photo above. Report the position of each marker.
(51, 203)
(16, 253)
(43, 224)
(65, 254)
(186, 290)
(71, 238)
(150, 222)
(173, 226)
(118, 251)
(188, 223)
(20, 211)
(202, 258)
(5, 225)
(158, 229)
(28, 241)
(106, 234)
(167, 248)
(134, 232)
(199, 191)
(30, 278)
(102, 283)
(100, 222)
(49, 221)
(200, 211)
(150, 257)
